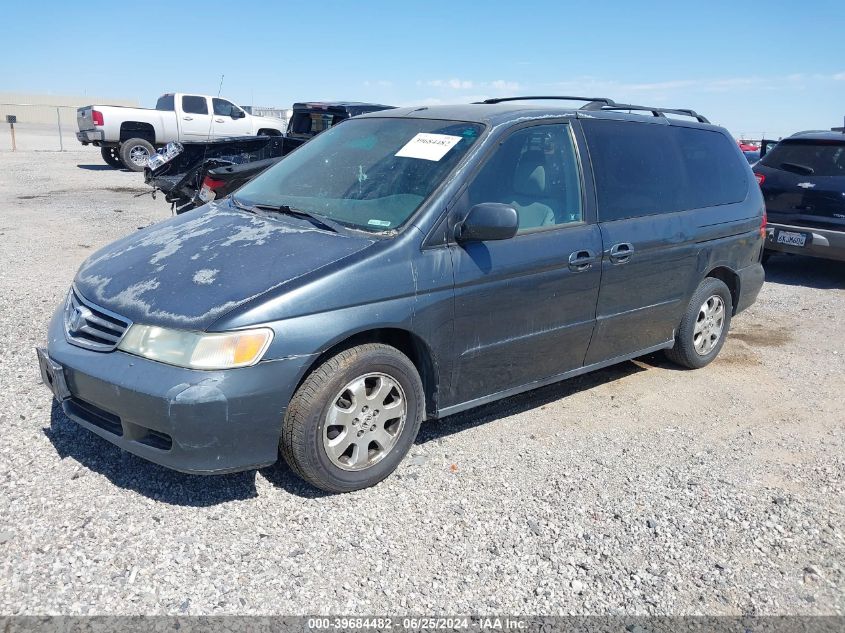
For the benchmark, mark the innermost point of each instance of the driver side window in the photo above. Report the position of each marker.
(223, 107)
(534, 170)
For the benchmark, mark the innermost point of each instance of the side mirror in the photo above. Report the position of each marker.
(237, 114)
(488, 221)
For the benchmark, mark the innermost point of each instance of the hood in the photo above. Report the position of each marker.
(189, 271)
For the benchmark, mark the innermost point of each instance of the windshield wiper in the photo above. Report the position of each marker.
(316, 219)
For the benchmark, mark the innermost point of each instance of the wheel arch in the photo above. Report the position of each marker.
(410, 344)
(730, 279)
(137, 129)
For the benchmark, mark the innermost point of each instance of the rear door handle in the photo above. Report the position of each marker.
(579, 261)
(621, 253)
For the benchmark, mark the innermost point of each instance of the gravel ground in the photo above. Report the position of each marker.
(639, 489)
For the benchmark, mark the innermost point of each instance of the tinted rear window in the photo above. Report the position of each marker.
(810, 158)
(645, 169)
(312, 123)
(165, 102)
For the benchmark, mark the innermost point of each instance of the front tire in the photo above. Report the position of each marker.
(704, 326)
(111, 156)
(135, 152)
(354, 418)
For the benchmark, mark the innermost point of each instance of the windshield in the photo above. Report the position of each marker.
(812, 158)
(371, 174)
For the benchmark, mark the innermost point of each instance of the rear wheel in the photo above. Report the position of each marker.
(112, 157)
(704, 326)
(135, 152)
(354, 418)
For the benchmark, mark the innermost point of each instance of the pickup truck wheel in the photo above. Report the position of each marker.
(111, 156)
(704, 326)
(135, 152)
(354, 418)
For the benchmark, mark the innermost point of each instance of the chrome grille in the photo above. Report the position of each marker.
(92, 327)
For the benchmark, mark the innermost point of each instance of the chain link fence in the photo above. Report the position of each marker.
(44, 121)
(37, 127)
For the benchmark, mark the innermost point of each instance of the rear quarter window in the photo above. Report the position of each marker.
(645, 168)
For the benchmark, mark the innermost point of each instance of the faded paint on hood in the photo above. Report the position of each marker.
(189, 271)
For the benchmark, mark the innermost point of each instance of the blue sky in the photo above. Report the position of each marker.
(773, 67)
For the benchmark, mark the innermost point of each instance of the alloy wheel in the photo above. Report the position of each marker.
(364, 421)
(709, 325)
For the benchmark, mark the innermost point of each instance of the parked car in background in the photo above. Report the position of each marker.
(803, 183)
(127, 137)
(751, 156)
(408, 264)
(207, 170)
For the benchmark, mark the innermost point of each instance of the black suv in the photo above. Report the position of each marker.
(803, 184)
(408, 264)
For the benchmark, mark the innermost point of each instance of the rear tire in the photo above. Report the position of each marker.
(112, 157)
(704, 326)
(135, 152)
(354, 418)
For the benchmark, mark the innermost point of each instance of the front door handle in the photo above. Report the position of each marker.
(219, 121)
(187, 118)
(579, 261)
(621, 253)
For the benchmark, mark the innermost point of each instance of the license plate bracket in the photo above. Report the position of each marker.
(793, 238)
(53, 374)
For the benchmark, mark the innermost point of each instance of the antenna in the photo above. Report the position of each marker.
(220, 88)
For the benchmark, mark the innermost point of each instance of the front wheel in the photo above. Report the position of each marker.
(135, 153)
(354, 418)
(111, 156)
(704, 326)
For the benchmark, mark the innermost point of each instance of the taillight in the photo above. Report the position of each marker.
(760, 178)
(97, 117)
(213, 183)
(763, 223)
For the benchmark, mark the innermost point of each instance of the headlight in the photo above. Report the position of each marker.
(197, 350)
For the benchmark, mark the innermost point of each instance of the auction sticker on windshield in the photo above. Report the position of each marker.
(428, 146)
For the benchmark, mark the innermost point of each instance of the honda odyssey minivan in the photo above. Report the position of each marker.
(404, 265)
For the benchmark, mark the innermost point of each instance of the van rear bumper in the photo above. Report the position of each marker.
(750, 282)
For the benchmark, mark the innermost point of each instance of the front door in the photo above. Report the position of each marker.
(226, 125)
(525, 307)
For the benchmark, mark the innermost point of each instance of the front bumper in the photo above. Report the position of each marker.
(822, 243)
(201, 422)
(90, 136)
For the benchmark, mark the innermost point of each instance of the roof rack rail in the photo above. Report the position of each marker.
(603, 103)
(593, 103)
(658, 111)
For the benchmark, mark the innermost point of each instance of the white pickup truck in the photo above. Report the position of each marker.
(127, 137)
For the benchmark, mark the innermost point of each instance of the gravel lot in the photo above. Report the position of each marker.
(640, 489)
